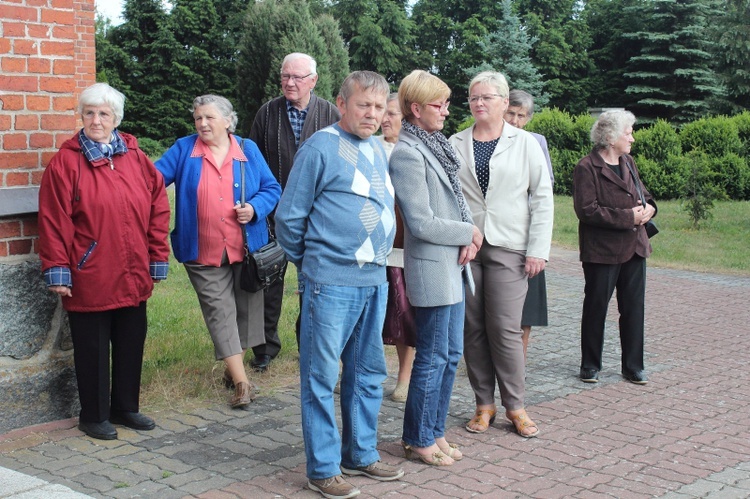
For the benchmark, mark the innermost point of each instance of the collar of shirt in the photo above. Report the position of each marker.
(235, 152)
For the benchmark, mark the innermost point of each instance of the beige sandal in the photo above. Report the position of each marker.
(478, 420)
(521, 422)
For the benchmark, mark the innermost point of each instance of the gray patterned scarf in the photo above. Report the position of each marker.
(443, 151)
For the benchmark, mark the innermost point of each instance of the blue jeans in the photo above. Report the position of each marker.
(341, 322)
(440, 343)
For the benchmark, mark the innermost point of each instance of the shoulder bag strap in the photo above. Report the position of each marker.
(637, 181)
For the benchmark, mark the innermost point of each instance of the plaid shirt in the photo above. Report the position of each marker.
(297, 119)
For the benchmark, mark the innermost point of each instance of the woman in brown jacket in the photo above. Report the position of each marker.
(607, 194)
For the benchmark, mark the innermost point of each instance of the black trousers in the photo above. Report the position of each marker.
(93, 332)
(629, 279)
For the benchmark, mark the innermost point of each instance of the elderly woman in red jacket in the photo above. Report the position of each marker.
(103, 224)
(613, 208)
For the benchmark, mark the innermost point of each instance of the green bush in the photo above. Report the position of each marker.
(715, 136)
(663, 179)
(742, 121)
(563, 164)
(558, 127)
(657, 142)
(732, 174)
(153, 148)
(700, 189)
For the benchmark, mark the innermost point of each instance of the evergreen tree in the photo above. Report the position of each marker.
(450, 33)
(672, 77)
(611, 50)
(561, 50)
(507, 50)
(732, 52)
(273, 29)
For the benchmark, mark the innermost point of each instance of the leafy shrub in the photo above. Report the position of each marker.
(715, 136)
(732, 175)
(657, 142)
(153, 148)
(563, 163)
(742, 121)
(558, 127)
(700, 189)
(663, 179)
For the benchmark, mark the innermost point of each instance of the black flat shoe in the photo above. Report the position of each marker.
(101, 431)
(261, 362)
(638, 377)
(134, 420)
(589, 375)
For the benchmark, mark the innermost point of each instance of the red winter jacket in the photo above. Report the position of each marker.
(105, 222)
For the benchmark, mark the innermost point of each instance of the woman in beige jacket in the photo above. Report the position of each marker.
(506, 184)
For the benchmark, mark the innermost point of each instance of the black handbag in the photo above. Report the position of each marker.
(650, 226)
(264, 267)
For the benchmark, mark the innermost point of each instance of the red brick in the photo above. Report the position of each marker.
(57, 84)
(58, 122)
(15, 141)
(37, 103)
(38, 30)
(35, 245)
(19, 247)
(65, 67)
(16, 179)
(30, 227)
(19, 83)
(27, 122)
(25, 47)
(47, 157)
(4, 122)
(37, 65)
(14, 160)
(36, 177)
(10, 229)
(64, 32)
(14, 64)
(37, 3)
(63, 103)
(3, 249)
(60, 138)
(20, 13)
(58, 48)
(14, 30)
(58, 17)
(4, 45)
(11, 102)
(68, 4)
(41, 140)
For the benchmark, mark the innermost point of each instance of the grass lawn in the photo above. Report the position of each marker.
(179, 370)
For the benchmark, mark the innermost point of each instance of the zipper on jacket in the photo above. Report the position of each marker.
(111, 164)
(86, 255)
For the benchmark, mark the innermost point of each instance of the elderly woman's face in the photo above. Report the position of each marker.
(517, 116)
(210, 124)
(391, 124)
(486, 104)
(98, 123)
(622, 144)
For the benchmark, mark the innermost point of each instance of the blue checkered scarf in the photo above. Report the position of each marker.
(95, 151)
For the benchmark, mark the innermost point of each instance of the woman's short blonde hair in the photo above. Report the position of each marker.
(420, 87)
(492, 78)
(610, 126)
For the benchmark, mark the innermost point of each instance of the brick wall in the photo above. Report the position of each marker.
(47, 57)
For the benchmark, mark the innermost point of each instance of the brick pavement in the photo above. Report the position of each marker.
(684, 435)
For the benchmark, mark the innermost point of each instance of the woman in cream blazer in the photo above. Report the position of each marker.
(505, 181)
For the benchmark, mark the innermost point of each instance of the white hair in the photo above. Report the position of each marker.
(100, 94)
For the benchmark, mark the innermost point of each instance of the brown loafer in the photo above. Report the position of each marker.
(244, 393)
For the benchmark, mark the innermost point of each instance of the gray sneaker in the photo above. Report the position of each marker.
(377, 470)
(333, 488)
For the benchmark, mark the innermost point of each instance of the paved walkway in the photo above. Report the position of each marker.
(686, 434)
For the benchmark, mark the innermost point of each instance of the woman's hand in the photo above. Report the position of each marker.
(468, 253)
(246, 214)
(61, 290)
(643, 214)
(534, 266)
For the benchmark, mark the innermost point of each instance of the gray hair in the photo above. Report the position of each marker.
(391, 97)
(222, 105)
(100, 94)
(610, 126)
(364, 80)
(522, 99)
(492, 78)
(299, 55)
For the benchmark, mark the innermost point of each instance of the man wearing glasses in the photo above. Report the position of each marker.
(280, 127)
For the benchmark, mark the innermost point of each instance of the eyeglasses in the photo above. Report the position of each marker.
(485, 98)
(103, 115)
(287, 77)
(440, 107)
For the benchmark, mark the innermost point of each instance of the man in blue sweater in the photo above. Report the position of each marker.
(336, 223)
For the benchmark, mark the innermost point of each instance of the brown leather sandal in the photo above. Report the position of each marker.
(478, 420)
(521, 422)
